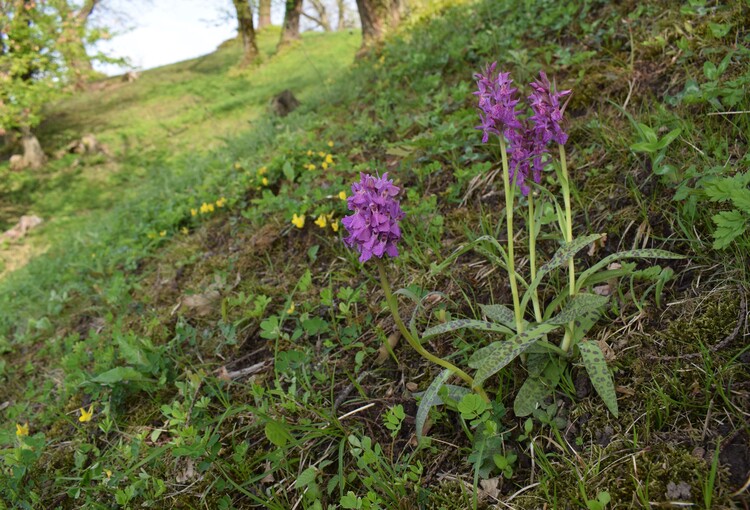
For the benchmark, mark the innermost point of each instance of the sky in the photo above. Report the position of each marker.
(159, 32)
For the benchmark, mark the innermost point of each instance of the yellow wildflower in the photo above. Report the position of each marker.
(321, 221)
(22, 430)
(342, 195)
(264, 181)
(204, 208)
(330, 143)
(262, 170)
(311, 167)
(108, 473)
(237, 165)
(335, 225)
(329, 159)
(86, 415)
(184, 230)
(193, 212)
(322, 154)
(210, 207)
(324, 165)
(290, 310)
(298, 221)
(309, 153)
(162, 233)
(221, 202)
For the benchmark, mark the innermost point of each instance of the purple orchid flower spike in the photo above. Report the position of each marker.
(548, 114)
(497, 101)
(374, 226)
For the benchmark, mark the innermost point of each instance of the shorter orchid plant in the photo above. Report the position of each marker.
(551, 334)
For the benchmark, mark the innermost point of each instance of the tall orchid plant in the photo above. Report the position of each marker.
(526, 137)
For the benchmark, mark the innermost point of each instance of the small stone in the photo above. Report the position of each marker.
(412, 386)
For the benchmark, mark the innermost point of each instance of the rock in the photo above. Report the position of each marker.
(17, 163)
(131, 76)
(25, 224)
(284, 103)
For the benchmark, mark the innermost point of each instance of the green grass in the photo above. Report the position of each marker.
(155, 331)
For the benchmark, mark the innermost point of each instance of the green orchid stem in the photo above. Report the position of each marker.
(414, 343)
(532, 257)
(569, 331)
(509, 223)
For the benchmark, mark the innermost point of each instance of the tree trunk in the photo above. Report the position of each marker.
(264, 14)
(376, 17)
(74, 52)
(341, 4)
(246, 30)
(290, 30)
(33, 156)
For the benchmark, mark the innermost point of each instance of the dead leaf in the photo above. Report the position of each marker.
(609, 354)
(412, 386)
(599, 243)
(386, 348)
(603, 290)
(625, 390)
(269, 477)
(489, 488)
(188, 473)
(201, 304)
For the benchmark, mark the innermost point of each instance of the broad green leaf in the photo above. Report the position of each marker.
(536, 389)
(465, 324)
(497, 355)
(722, 189)
(601, 378)
(448, 393)
(668, 138)
(429, 399)
(580, 305)
(729, 225)
(628, 254)
(644, 147)
(741, 199)
(501, 314)
(277, 434)
(306, 477)
(648, 133)
(120, 374)
(536, 362)
(561, 256)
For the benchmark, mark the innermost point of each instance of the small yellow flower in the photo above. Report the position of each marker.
(322, 154)
(311, 167)
(22, 430)
(204, 208)
(264, 181)
(329, 159)
(210, 207)
(86, 415)
(184, 230)
(108, 473)
(221, 202)
(163, 233)
(262, 170)
(237, 165)
(335, 225)
(193, 212)
(298, 221)
(321, 221)
(324, 165)
(309, 153)
(330, 143)
(342, 195)
(290, 310)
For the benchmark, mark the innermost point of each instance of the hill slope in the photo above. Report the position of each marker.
(233, 359)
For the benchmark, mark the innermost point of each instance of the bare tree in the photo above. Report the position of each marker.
(341, 4)
(264, 14)
(290, 30)
(321, 17)
(376, 17)
(246, 30)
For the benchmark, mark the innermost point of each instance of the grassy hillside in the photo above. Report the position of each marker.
(233, 359)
